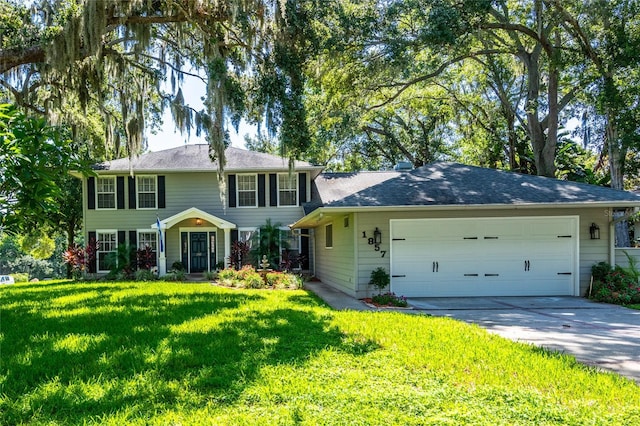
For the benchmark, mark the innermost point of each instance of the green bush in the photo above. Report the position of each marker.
(144, 275)
(379, 278)
(283, 280)
(227, 277)
(175, 275)
(614, 285)
(20, 277)
(390, 299)
(253, 280)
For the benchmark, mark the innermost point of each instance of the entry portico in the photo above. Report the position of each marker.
(193, 238)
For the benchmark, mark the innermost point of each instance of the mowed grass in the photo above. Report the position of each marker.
(190, 354)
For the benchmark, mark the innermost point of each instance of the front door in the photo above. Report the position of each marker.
(198, 251)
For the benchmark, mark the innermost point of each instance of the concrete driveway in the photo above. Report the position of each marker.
(601, 335)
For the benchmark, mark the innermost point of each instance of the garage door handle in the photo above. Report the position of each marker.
(490, 238)
(470, 275)
(564, 236)
(564, 273)
(470, 238)
(398, 239)
(491, 275)
(398, 276)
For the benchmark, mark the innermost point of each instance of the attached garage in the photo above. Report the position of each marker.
(452, 230)
(515, 256)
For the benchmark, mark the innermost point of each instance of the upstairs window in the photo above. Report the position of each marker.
(106, 192)
(146, 187)
(287, 189)
(247, 190)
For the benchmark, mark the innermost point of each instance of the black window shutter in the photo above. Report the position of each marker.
(91, 193)
(302, 188)
(273, 189)
(162, 202)
(133, 242)
(93, 263)
(132, 192)
(120, 192)
(121, 237)
(304, 248)
(231, 190)
(234, 235)
(261, 191)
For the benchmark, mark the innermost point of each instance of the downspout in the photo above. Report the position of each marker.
(612, 238)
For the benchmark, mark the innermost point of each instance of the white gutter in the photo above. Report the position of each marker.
(327, 211)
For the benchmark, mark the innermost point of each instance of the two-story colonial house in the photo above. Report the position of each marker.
(444, 229)
(178, 190)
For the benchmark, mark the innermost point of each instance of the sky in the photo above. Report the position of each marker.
(169, 137)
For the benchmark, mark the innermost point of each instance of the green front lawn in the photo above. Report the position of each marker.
(167, 353)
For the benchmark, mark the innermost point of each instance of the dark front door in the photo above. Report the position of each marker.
(198, 252)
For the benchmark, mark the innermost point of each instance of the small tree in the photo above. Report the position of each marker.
(239, 254)
(380, 279)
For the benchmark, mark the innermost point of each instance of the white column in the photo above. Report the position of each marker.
(162, 261)
(227, 246)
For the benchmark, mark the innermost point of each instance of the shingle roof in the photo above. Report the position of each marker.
(453, 184)
(195, 157)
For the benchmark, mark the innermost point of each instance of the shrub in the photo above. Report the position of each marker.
(175, 275)
(20, 277)
(227, 276)
(210, 275)
(614, 285)
(380, 279)
(253, 280)
(178, 266)
(144, 275)
(282, 280)
(390, 299)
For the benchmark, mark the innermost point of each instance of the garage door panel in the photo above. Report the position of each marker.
(484, 257)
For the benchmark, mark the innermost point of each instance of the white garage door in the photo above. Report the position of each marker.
(530, 256)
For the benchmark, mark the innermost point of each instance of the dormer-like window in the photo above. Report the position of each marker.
(247, 190)
(287, 189)
(106, 192)
(147, 192)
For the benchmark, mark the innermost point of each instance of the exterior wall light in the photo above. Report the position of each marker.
(594, 231)
(377, 236)
(198, 222)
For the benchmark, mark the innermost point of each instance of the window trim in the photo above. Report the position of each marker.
(138, 192)
(147, 231)
(255, 230)
(326, 240)
(294, 179)
(255, 191)
(105, 231)
(115, 193)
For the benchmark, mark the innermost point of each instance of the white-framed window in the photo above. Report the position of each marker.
(106, 192)
(107, 244)
(247, 190)
(289, 240)
(246, 235)
(149, 239)
(328, 236)
(147, 194)
(287, 189)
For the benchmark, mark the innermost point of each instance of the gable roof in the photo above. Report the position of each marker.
(195, 157)
(453, 184)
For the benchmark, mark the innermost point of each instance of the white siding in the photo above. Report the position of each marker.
(335, 266)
